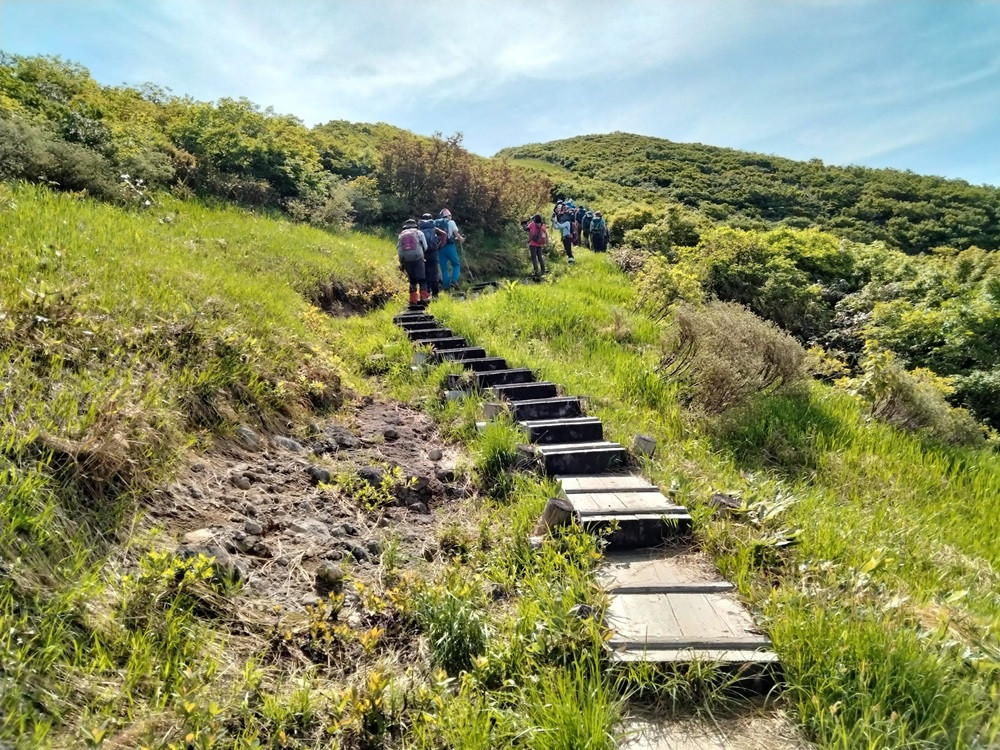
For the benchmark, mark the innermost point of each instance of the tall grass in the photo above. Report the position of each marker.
(884, 607)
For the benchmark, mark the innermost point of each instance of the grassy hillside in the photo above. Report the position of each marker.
(907, 211)
(883, 607)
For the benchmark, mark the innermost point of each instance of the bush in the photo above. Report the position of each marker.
(662, 283)
(979, 392)
(914, 400)
(455, 623)
(725, 355)
(29, 152)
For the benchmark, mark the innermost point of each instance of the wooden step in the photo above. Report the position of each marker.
(455, 342)
(572, 430)
(483, 364)
(525, 391)
(560, 407)
(491, 378)
(418, 325)
(460, 354)
(427, 334)
(413, 317)
(605, 483)
(581, 458)
(672, 606)
(416, 307)
(639, 519)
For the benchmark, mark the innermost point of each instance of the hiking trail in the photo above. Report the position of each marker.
(668, 605)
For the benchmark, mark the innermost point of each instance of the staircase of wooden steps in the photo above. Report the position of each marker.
(661, 610)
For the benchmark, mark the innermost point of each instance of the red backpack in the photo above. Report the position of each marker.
(538, 234)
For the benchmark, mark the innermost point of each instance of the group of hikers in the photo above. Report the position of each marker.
(576, 225)
(425, 245)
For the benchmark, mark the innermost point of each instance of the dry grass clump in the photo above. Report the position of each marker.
(725, 355)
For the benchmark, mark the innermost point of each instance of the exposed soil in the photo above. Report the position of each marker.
(276, 510)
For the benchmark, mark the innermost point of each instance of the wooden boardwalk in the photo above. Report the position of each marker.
(668, 605)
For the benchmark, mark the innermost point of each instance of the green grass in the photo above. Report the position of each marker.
(885, 612)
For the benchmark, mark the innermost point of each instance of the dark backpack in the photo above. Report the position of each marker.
(442, 224)
(428, 228)
(597, 226)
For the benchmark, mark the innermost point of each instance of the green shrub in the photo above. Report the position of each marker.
(662, 283)
(725, 355)
(30, 152)
(455, 623)
(979, 392)
(914, 400)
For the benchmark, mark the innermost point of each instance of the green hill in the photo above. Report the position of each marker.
(907, 211)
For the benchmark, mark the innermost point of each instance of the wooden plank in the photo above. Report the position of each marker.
(606, 483)
(627, 503)
(657, 616)
(694, 644)
(761, 657)
(709, 587)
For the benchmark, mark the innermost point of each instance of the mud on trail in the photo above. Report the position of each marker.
(288, 517)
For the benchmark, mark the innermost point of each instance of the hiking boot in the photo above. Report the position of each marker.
(572, 260)
(424, 296)
(414, 298)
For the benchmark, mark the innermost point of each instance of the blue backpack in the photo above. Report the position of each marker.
(442, 224)
(427, 227)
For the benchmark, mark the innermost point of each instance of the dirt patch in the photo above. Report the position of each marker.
(285, 513)
(759, 729)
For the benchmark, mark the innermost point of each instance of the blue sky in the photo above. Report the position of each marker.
(911, 84)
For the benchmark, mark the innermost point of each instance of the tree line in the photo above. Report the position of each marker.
(60, 127)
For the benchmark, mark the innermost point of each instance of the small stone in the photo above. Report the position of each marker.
(374, 546)
(329, 578)
(350, 529)
(644, 445)
(245, 543)
(390, 434)
(435, 455)
(240, 482)
(198, 536)
(342, 436)
(195, 492)
(198, 468)
(262, 549)
(309, 526)
(288, 444)
(359, 553)
(420, 483)
(333, 554)
(283, 561)
(253, 528)
(317, 475)
(371, 474)
(253, 476)
(248, 437)
(250, 510)
(314, 428)
(445, 475)
(429, 552)
(582, 611)
(418, 507)
(310, 600)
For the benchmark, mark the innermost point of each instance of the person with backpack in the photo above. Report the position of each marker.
(538, 240)
(599, 233)
(451, 266)
(578, 218)
(588, 218)
(410, 247)
(564, 224)
(436, 238)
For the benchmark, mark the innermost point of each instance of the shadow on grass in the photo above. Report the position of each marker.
(786, 433)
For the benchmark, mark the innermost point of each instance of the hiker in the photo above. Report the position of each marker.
(598, 233)
(538, 240)
(588, 217)
(580, 212)
(565, 226)
(410, 247)
(436, 239)
(448, 254)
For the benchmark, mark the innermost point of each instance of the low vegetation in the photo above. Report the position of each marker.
(862, 546)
